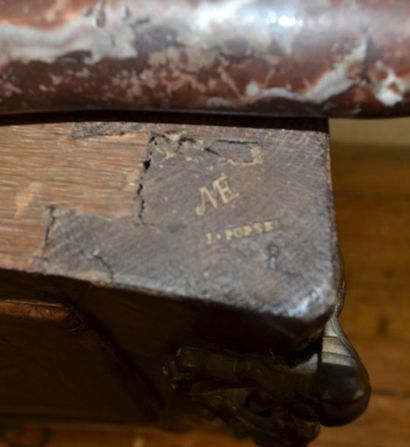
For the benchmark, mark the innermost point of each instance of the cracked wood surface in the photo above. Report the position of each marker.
(234, 212)
(372, 192)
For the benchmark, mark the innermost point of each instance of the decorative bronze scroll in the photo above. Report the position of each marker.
(272, 400)
(295, 58)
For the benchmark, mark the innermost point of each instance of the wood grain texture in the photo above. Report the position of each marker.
(237, 215)
(41, 167)
(380, 179)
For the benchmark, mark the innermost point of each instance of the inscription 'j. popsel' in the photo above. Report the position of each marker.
(243, 231)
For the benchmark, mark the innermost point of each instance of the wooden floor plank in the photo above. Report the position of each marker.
(388, 362)
(386, 423)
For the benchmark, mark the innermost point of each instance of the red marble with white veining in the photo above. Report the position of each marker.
(279, 57)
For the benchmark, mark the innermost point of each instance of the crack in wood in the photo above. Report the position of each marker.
(85, 130)
(106, 266)
(51, 221)
(49, 245)
(140, 189)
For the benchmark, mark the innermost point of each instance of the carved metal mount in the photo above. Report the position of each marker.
(274, 400)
